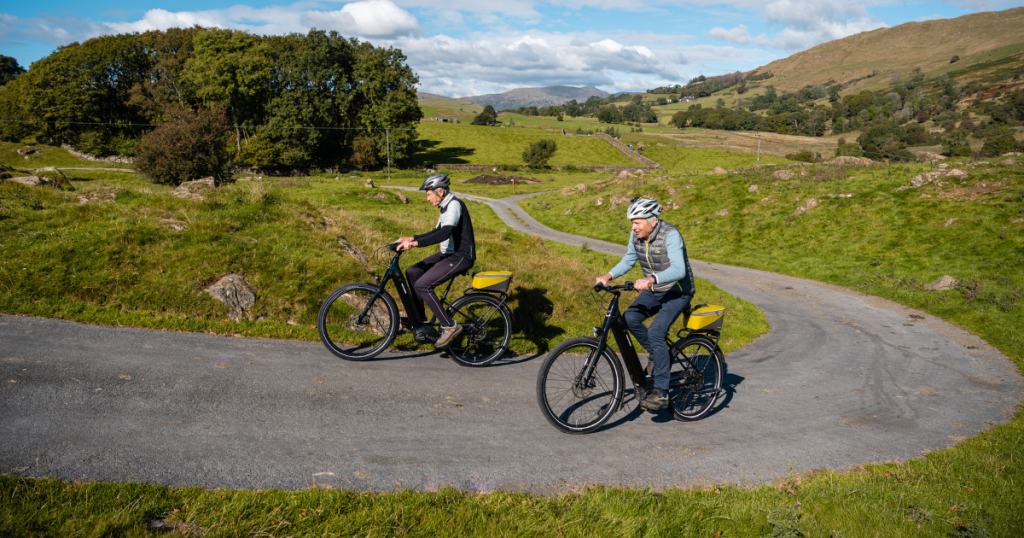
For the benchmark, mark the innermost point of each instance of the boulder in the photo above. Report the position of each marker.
(568, 212)
(383, 197)
(625, 175)
(949, 222)
(719, 170)
(369, 184)
(36, 181)
(722, 212)
(618, 199)
(25, 150)
(752, 189)
(851, 161)
(402, 197)
(783, 174)
(190, 190)
(236, 293)
(942, 283)
(599, 201)
(808, 204)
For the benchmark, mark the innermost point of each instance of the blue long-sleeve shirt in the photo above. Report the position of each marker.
(676, 269)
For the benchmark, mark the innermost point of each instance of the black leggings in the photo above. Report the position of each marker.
(429, 273)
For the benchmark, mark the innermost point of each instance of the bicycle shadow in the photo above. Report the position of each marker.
(530, 315)
(729, 383)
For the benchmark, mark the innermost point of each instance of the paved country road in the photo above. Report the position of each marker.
(841, 379)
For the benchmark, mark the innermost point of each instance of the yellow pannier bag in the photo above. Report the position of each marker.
(492, 281)
(706, 318)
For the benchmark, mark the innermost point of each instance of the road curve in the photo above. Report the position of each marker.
(842, 378)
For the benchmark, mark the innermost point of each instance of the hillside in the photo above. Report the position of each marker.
(929, 45)
(539, 97)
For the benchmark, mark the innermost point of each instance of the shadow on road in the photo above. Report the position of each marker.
(530, 315)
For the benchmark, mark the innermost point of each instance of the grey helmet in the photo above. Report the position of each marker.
(436, 181)
(641, 208)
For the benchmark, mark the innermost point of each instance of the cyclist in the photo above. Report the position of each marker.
(454, 231)
(666, 289)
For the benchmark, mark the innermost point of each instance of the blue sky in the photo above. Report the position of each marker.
(470, 47)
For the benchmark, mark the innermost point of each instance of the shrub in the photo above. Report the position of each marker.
(802, 156)
(364, 153)
(538, 153)
(190, 145)
(954, 144)
(260, 153)
(922, 117)
(999, 145)
(849, 150)
(954, 59)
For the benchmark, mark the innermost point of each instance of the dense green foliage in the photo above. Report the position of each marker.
(302, 100)
(538, 153)
(189, 146)
(9, 69)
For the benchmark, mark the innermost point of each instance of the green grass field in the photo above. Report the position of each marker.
(471, 144)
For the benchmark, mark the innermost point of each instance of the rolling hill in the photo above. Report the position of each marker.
(930, 45)
(539, 97)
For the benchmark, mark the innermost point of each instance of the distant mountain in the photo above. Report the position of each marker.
(539, 97)
(878, 54)
(425, 95)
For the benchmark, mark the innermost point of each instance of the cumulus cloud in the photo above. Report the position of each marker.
(373, 18)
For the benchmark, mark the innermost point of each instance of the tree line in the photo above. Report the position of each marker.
(297, 101)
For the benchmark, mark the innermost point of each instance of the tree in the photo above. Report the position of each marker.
(818, 92)
(189, 146)
(954, 144)
(538, 153)
(486, 117)
(9, 69)
(229, 68)
(386, 98)
(164, 86)
(833, 94)
(609, 114)
(998, 145)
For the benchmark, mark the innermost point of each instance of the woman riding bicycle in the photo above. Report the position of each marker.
(454, 231)
(666, 289)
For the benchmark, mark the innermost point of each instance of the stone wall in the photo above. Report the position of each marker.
(112, 159)
(629, 153)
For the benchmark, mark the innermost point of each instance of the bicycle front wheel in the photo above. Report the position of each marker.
(486, 330)
(572, 400)
(696, 377)
(353, 331)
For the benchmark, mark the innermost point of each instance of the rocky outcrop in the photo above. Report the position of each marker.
(191, 190)
(236, 293)
(942, 283)
(926, 178)
(851, 161)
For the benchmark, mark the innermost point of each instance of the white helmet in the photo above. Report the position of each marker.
(640, 208)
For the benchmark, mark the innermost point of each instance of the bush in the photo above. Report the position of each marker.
(802, 156)
(954, 59)
(954, 144)
(190, 145)
(260, 153)
(999, 145)
(537, 155)
(849, 150)
(364, 153)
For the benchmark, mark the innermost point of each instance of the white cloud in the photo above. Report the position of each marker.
(372, 18)
(806, 23)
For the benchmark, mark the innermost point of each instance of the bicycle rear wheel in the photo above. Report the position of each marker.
(349, 334)
(696, 377)
(486, 330)
(574, 404)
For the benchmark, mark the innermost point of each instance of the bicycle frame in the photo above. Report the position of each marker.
(394, 273)
(616, 325)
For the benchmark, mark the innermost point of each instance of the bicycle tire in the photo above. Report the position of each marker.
(343, 335)
(486, 330)
(566, 404)
(696, 377)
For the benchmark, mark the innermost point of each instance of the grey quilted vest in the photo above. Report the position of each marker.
(653, 258)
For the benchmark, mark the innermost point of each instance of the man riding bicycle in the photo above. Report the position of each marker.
(454, 231)
(666, 289)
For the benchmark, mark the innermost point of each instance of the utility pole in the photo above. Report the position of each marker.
(387, 134)
(758, 148)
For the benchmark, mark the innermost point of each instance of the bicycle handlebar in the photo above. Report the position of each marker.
(627, 286)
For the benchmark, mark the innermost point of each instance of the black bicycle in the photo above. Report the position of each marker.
(358, 321)
(580, 383)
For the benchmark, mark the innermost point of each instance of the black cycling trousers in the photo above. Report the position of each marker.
(429, 273)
